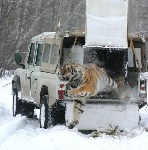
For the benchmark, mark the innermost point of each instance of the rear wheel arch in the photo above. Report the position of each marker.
(50, 115)
(44, 91)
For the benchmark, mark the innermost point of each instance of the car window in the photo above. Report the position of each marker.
(54, 54)
(46, 53)
(73, 55)
(39, 54)
(31, 53)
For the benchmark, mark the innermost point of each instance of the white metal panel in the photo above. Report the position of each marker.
(106, 23)
(105, 116)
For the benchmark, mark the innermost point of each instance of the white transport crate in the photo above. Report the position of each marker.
(106, 116)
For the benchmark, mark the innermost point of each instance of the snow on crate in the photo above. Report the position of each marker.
(106, 23)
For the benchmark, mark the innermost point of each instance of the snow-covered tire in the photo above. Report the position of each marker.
(45, 113)
(20, 107)
(50, 117)
(15, 104)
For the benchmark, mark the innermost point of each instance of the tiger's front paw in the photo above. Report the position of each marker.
(71, 93)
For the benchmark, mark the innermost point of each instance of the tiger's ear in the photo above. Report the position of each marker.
(79, 68)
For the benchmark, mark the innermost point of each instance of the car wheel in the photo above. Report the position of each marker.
(15, 104)
(44, 113)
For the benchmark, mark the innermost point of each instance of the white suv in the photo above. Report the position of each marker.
(36, 84)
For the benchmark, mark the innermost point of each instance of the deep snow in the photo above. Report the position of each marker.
(20, 133)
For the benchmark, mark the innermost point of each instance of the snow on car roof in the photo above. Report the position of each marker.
(43, 35)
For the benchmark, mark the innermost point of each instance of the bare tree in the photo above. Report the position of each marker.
(7, 13)
(22, 19)
(7, 10)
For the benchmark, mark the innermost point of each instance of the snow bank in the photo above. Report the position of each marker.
(60, 138)
(20, 133)
(5, 91)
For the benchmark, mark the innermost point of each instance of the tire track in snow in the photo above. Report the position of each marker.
(10, 126)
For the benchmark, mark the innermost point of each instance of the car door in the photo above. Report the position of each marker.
(35, 75)
(29, 68)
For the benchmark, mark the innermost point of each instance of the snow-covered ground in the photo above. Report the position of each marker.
(20, 133)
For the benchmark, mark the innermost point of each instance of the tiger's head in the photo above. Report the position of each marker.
(69, 71)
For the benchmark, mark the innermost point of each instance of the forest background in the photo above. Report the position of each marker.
(20, 20)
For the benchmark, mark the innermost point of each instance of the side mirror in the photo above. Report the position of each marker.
(18, 58)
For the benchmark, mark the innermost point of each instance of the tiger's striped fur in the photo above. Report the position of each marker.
(85, 81)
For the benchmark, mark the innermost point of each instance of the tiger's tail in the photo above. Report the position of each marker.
(112, 84)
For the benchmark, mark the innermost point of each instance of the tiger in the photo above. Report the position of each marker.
(85, 81)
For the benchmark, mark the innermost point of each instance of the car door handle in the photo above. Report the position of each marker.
(26, 77)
